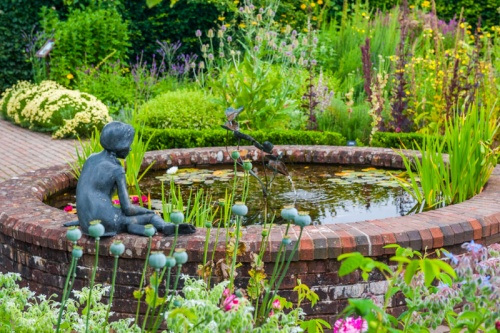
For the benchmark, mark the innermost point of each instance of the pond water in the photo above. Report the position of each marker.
(331, 194)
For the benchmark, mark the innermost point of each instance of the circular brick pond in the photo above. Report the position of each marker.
(33, 242)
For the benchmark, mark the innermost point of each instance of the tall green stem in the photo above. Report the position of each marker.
(142, 279)
(157, 321)
(92, 283)
(235, 253)
(65, 292)
(112, 292)
(174, 244)
(205, 250)
(283, 273)
(152, 308)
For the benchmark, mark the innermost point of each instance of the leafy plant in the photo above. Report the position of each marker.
(469, 141)
(458, 295)
(180, 109)
(415, 270)
(86, 38)
(53, 108)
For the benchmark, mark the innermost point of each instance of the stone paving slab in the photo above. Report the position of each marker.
(22, 150)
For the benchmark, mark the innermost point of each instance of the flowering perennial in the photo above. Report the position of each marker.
(51, 107)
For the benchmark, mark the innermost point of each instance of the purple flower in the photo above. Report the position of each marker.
(198, 33)
(472, 247)
(294, 33)
(450, 256)
(229, 39)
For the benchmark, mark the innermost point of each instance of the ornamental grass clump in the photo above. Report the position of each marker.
(49, 107)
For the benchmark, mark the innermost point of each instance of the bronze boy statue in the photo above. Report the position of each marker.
(102, 175)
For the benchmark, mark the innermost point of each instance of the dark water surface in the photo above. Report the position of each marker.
(331, 194)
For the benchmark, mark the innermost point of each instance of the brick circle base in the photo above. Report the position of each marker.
(33, 242)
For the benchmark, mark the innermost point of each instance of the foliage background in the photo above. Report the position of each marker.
(178, 22)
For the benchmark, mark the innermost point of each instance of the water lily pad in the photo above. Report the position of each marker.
(209, 182)
(388, 184)
(368, 169)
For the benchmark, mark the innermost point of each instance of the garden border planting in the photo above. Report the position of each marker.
(33, 241)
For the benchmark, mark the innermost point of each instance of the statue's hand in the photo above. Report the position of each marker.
(184, 229)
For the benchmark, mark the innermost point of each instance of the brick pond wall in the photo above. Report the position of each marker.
(33, 243)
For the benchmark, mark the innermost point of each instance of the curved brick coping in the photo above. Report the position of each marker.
(24, 217)
(33, 242)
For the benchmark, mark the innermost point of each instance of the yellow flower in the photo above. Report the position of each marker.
(320, 2)
(221, 18)
(314, 18)
(242, 25)
(70, 76)
(303, 6)
(426, 4)
(313, 4)
(254, 23)
(412, 6)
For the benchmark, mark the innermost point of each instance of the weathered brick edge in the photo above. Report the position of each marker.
(33, 243)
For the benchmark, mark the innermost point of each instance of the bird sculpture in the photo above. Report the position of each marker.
(278, 166)
(232, 113)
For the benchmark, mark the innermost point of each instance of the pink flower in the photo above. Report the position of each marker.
(231, 302)
(115, 202)
(271, 313)
(226, 292)
(276, 304)
(135, 199)
(68, 208)
(350, 325)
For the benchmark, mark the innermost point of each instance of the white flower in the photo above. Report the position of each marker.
(172, 170)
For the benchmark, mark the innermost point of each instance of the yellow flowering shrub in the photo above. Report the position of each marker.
(49, 107)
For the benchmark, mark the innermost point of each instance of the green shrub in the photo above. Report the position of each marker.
(353, 123)
(177, 138)
(181, 109)
(86, 39)
(398, 140)
(50, 107)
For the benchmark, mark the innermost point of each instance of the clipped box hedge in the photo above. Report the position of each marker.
(180, 138)
(399, 140)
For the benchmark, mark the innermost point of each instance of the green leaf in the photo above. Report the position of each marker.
(314, 325)
(392, 246)
(429, 272)
(347, 255)
(445, 267)
(152, 3)
(350, 264)
(410, 270)
(392, 291)
(138, 294)
(400, 259)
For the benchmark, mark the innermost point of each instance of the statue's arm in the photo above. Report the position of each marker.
(127, 208)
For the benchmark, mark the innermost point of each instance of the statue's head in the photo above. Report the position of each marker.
(117, 137)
